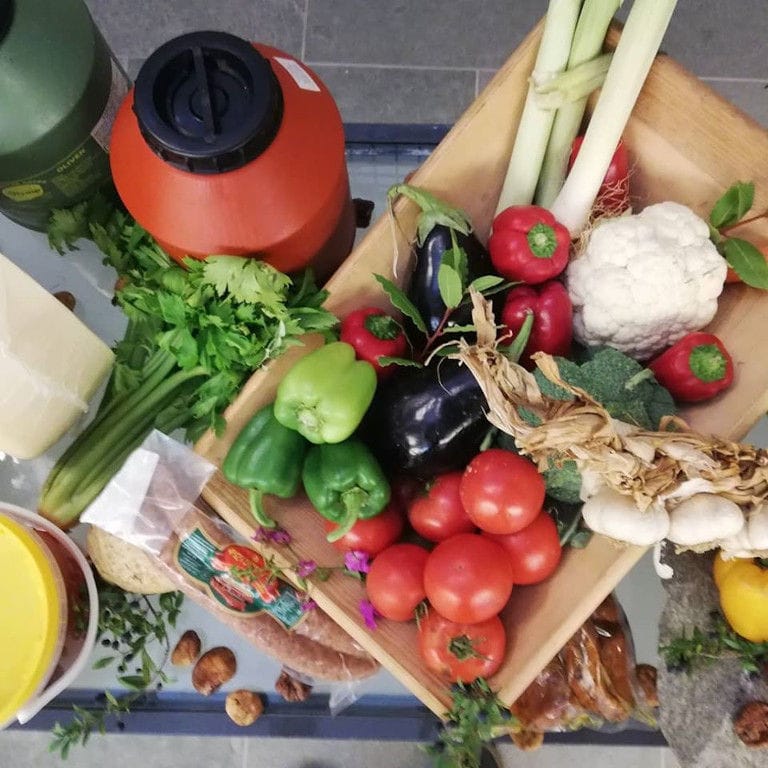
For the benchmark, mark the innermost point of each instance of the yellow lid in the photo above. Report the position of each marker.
(30, 615)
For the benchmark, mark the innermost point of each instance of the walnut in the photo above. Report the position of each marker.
(646, 677)
(243, 707)
(187, 649)
(213, 669)
(751, 724)
(527, 740)
(292, 689)
(67, 299)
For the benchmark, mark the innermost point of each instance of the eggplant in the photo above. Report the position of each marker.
(424, 290)
(426, 421)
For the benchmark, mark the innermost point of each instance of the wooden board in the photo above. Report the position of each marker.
(686, 144)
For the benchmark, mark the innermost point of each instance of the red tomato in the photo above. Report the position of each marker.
(395, 583)
(461, 652)
(613, 196)
(501, 491)
(535, 551)
(440, 514)
(468, 578)
(373, 534)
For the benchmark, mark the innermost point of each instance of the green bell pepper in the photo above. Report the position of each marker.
(345, 484)
(326, 394)
(266, 457)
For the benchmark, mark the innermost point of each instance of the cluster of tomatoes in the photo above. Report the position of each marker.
(474, 534)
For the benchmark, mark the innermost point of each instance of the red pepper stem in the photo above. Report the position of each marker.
(515, 350)
(383, 327)
(256, 502)
(707, 363)
(542, 240)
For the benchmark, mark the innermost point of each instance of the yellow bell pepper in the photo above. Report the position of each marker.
(743, 587)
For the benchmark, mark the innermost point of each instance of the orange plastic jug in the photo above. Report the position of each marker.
(228, 147)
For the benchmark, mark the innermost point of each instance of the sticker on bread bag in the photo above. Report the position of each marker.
(238, 578)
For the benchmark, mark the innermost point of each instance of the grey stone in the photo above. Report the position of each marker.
(135, 29)
(395, 95)
(462, 33)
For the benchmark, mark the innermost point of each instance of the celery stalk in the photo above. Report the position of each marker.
(637, 48)
(588, 41)
(536, 123)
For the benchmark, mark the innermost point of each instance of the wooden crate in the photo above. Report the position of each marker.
(687, 144)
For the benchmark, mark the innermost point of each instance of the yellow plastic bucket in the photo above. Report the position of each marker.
(48, 613)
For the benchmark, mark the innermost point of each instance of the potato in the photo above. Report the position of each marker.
(187, 649)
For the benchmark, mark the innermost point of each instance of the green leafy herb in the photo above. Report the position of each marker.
(733, 205)
(130, 626)
(703, 647)
(486, 282)
(195, 335)
(476, 717)
(405, 361)
(433, 212)
(747, 261)
(402, 303)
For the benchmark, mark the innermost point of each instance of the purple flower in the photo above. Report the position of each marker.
(357, 561)
(368, 612)
(305, 567)
(275, 535)
(308, 604)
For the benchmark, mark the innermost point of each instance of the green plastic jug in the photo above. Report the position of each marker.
(60, 88)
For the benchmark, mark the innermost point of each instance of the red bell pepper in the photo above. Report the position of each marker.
(527, 244)
(373, 334)
(695, 368)
(613, 196)
(552, 330)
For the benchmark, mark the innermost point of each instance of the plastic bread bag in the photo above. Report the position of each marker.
(593, 682)
(152, 502)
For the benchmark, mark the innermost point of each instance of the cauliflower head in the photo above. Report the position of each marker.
(645, 281)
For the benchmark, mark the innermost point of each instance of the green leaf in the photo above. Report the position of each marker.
(103, 662)
(486, 282)
(747, 262)
(135, 682)
(449, 283)
(732, 205)
(401, 302)
(404, 361)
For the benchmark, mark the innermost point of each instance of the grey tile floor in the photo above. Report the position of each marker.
(416, 62)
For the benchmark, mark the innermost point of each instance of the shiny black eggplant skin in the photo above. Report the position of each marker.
(424, 290)
(426, 421)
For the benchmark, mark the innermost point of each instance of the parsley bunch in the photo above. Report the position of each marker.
(195, 335)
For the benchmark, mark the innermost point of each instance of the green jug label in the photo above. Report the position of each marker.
(239, 579)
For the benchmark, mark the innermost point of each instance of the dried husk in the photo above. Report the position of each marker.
(672, 463)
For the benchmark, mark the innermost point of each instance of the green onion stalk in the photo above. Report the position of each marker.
(632, 60)
(536, 122)
(588, 41)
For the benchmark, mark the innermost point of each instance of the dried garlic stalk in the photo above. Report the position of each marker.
(671, 464)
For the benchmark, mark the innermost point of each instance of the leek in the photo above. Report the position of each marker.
(587, 43)
(637, 48)
(536, 123)
(573, 85)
